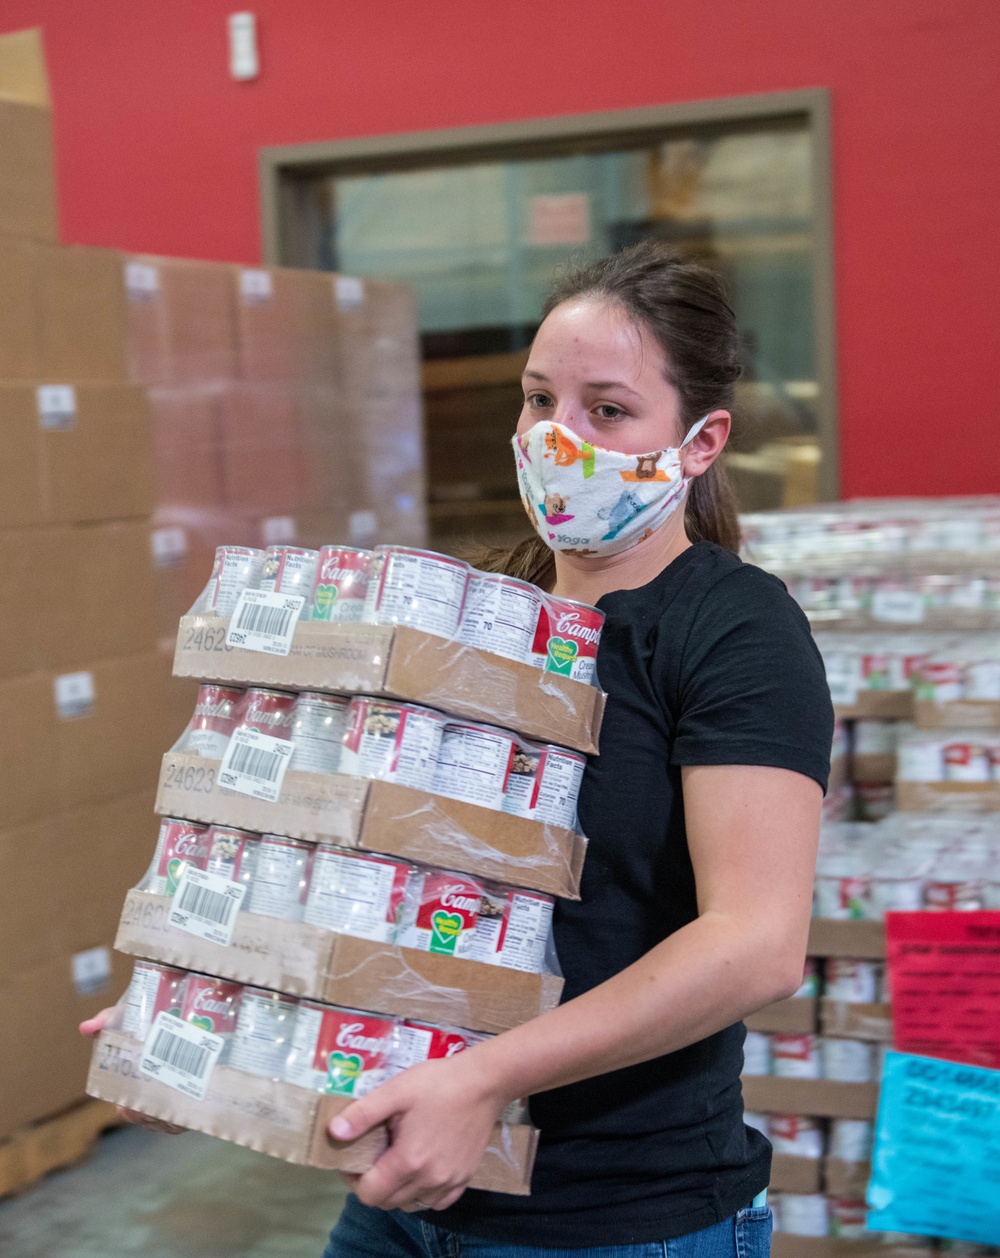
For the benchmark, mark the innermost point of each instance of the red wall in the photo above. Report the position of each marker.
(157, 151)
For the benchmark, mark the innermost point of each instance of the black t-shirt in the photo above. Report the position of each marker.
(712, 662)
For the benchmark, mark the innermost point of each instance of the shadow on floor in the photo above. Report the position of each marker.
(183, 1196)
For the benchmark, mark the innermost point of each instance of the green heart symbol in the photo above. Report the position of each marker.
(323, 601)
(562, 653)
(343, 1072)
(206, 1024)
(445, 930)
(175, 868)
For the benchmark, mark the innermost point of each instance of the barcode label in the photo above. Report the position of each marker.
(56, 405)
(349, 292)
(255, 286)
(255, 764)
(74, 694)
(141, 281)
(900, 607)
(180, 1055)
(206, 905)
(263, 621)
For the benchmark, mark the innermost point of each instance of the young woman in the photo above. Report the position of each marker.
(702, 812)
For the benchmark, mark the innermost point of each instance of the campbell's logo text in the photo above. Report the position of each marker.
(350, 1036)
(570, 625)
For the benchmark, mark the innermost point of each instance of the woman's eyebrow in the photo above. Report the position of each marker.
(611, 384)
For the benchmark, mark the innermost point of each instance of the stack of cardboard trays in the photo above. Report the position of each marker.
(301, 960)
(80, 699)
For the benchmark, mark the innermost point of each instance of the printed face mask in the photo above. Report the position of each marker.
(585, 500)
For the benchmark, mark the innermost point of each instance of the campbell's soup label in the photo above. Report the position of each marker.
(262, 1039)
(417, 588)
(422, 1041)
(341, 584)
(397, 742)
(795, 1056)
(213, 1005)
(289, 570)
(357, 895)
(234, 569)
(967, 762)
(544, 784)
(567, 638)
(445, 916)
(179, 843)
(512, 930)
(270, 712)
(214, 720)
(154, 989)
(233, 854)
(501, 615)
(281, 878)
(473, 763)
(795, 1135)
(344, 1052)
(959, 896)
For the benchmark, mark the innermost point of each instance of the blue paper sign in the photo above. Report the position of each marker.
(936, 1161)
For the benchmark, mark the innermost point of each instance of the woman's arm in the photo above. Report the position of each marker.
(752, 833)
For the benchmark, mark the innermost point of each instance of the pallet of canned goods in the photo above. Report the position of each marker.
(264, 1069)
(392, 777)
(403, 624)
(336, 925)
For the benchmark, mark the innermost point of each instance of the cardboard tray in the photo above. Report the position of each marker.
(962, 714)
(847, 1021)
(308, 961)
(874, 766)
(382, 817)
(402, 663)
(846, 1179)
(792, 1174)
(820, 1098)
(878, 705)
(948, 796)
(795, 1016)
(281, 1119)
(829, 937)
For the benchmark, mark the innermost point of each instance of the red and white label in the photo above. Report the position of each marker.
(154, 989)
(394, 742)
(443, 913)
(281, 880)
(418, 588)
(356, 895)
(567, 638)
(214, 720)
(212, 1004)
(474, 763)
(422, 1041)
(795, 1056)
(512, 930)
(341, 584)
(179, 843)
(501, 615)
(340, 1051)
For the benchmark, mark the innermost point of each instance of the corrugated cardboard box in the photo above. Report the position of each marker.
(823, 1098)
(27, 168)
(280, 1119)
(384, 817)
(796, 1016)
(286, 325)
(81, 314)
(264, 467)
(18, 339)
(308, 961)
(28, 748)
(831, 938)
(28, 937)
(403, 663)
(856, 1021)
(187, 430)
(33, 612)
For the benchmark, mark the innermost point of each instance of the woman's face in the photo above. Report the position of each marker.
(603, 377)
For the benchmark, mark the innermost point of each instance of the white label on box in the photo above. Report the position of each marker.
(362, 526)
(74, 693)
(255, 764)
(349, 292)
(255, 286)
(56, 405)
(263, 620)
(141, 280)
(278, 530)
(169, 546)
(91, 970)
(180, 1055)
(900, 607)
(206, 905)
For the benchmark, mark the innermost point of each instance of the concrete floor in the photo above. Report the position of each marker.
(185, 1196)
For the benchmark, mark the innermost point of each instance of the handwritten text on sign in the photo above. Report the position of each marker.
(944, 975)
(936, 1162)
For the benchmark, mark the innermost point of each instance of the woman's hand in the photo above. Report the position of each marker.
(92, 1027)
(440, 1115)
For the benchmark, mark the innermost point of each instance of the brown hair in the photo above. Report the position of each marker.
(684, 305)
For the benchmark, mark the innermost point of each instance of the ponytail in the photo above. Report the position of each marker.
(710, 513)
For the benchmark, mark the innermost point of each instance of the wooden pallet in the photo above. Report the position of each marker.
(52, 1144)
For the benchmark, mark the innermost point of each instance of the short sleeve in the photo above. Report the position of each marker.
(751, 688)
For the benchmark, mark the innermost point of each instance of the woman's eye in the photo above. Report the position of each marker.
(607, 411)
(538, 400)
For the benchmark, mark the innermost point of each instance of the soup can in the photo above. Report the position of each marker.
(967, 760)
(234, 569)
(847, 1061)
(346, 1052)
(904, 894)
(215, 718)
(269, 712)
(809, 987)
(397, 742)
(544, 784)
(954, 895)
(214, 1005)
(567, 638)
(804, 1214)
(851, 980)
(442, 912)
(233, 854)
(842, 897)
(281, 881)
(981, 679)
(512, 929)
(357, 895)
(795, 1056)
(757, 1053)
(418, 588)
(319, 722)
(338, 593)
(423, 1041)
(153, 989)
(848, 1218)
(179, 843)
(289, 570)
(920, 760)
(262, 1038)
(796, 1135)
(501, 615)
(851, 1139)
(473, 763)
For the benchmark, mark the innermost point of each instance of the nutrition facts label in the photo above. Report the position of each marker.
(421, 591)
(501, 617)
(558, 787)
(473, 765)
(260, 1044)
(281, 875)
(353, 895)
(518, 939)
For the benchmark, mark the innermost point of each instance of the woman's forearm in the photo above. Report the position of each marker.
(704, 977)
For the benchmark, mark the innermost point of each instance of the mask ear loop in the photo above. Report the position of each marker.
(696, 429)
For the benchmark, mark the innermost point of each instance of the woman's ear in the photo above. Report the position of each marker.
(705, 448)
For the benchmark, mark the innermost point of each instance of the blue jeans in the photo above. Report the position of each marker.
(364, 1232)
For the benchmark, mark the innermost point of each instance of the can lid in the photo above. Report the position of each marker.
(319, 696)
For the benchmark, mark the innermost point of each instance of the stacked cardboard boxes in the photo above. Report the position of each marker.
(80, 700)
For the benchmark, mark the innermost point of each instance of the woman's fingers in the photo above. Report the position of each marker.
(147, 1121)
(95, 1025)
